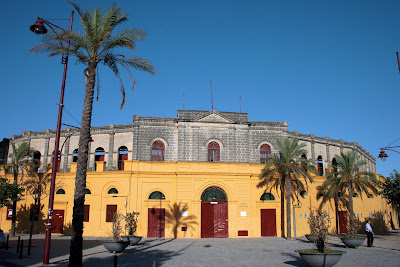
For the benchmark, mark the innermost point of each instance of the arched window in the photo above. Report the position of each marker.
(213, 152)
(122, 155)
(334, 165)
(157, 195)
(112, 191)
(303, 157)
(265, 152)
(214, 193)
(75, 155)
(58, 160)
(87, 191)
(158, 151)
(267, 197)
(320, 164)
(60, 192)
(99, 154)
(36, 160)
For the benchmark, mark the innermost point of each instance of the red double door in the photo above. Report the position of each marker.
(268, 222)
(214, 219)
(156, 223)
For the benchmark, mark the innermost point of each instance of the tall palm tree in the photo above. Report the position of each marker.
(98, 44)
(285, 172)
(348, 178)
(19, 162)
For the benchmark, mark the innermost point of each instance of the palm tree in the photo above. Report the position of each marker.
(285, 172)
(19, 162)
(97, 44)
(349, 178)
(36, 185)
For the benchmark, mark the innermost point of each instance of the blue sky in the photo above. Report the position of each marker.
(326, 67)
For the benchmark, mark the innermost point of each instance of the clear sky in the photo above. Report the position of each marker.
(327, 67)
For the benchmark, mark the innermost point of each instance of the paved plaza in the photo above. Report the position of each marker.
(264, 251)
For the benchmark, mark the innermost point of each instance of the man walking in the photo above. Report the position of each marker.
(370, 233)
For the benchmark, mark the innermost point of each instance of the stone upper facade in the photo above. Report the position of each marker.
(186, 138)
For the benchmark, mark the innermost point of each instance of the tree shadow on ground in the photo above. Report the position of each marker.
(296, 259)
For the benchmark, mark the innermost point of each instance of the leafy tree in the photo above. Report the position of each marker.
(391, 189)
(19, 162)
(348, 178)
(96, 45)
(285, 172)
(9, 192)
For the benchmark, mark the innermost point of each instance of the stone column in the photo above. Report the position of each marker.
(135, 138)
(46, 150)
(110, 162)
(312, 148)
(328, 156)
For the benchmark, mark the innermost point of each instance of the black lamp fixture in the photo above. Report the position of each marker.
(383, 155)
(39, 27)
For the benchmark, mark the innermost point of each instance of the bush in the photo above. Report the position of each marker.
(319, 225)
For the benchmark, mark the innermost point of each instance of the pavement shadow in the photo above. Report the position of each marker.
(133, 257)
(297, 260)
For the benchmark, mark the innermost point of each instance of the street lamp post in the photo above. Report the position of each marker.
(39, 28)
(383, 155)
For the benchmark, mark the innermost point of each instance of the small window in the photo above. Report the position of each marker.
(60, 192)
(213, 152)
(267, 197)
(122, 156)
(75, 156)
(265, 153)
(303, 193)
(157, 195)
(87, 191)
(355, 195)
(110, 211)
(112, 191)
(99, 154)
(158, 151)
(370, 196)
(320, 164)
(58, 159)
(86, 210)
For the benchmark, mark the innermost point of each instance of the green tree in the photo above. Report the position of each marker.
(391, 189)
(98, 44)
(19, 162)
(348, 178)
(286, 172)
(9, 192)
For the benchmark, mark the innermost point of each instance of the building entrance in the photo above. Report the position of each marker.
(214, 213)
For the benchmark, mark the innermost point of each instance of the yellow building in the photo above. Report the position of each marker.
(208, 162)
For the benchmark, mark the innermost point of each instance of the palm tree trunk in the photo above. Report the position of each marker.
(351, 210)
(75, 258)
(288, 214)
(337, 215)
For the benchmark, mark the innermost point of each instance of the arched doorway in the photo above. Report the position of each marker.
(214, 213)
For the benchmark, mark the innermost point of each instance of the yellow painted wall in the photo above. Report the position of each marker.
(184, 182)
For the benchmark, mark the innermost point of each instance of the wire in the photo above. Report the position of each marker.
(72, 116)
(393, 142)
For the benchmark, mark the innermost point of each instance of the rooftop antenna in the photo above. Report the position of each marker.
(240, 104)
(212, 102)
(183, 101)
(398, 61)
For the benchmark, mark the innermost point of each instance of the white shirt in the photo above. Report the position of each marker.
(368, 227)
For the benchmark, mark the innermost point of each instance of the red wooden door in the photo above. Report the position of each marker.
(58, 222)
(214, 219)
(156, 223)
(268, 222)
(342, 222)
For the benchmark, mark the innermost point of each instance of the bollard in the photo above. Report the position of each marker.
(21, 249)
(8, 237)
(115, 261)
(18, 243)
